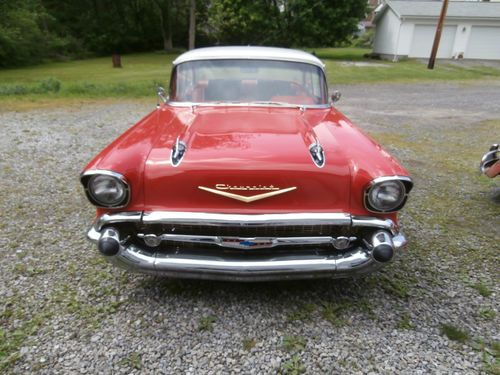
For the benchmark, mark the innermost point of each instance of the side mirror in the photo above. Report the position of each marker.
(335, 96)
(162, 94)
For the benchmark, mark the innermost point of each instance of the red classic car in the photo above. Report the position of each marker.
(247, 172)
(490, 163)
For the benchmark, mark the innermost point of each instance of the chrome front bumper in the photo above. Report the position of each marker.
(275, 266)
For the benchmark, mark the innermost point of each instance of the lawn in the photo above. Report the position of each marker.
(96, 79)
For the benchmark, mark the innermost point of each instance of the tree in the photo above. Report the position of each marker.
(285, 22)
(34, 30)
(244, 21)
(321, 23)
(24, 34)
(165, 15)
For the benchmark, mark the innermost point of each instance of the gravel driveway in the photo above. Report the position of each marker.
(64, 310)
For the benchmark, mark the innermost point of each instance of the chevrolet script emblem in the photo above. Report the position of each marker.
(221, 189)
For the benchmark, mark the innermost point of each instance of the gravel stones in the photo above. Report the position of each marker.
(63, 309)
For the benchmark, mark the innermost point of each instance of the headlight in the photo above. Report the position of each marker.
(106, 189)
(387, 194)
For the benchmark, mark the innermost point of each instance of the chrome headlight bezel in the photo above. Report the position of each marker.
(88, 177)
(404, 183)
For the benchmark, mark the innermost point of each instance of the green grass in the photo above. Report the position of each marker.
(405, 322)
(482, 289)
(206, 323)
(487, 314)
(96, 79)
(341, 68)
(133, 360)
(293, 366)
(454, 333)
(302, 312)
(91, 78)
(294, 343)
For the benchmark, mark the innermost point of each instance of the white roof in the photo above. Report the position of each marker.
(248, 52)
(432, 9)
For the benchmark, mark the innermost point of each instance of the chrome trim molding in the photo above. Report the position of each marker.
(213, 219)
(154, 240)
(248, 104)
(407, 184)
(116, 218)
(85, 178)
(390, 178)
(371, 222)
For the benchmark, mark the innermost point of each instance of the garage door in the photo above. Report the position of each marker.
(423, 38)
(484, 43)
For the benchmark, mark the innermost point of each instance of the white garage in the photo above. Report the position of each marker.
(423, 37)
(484, 43)
(407, 29)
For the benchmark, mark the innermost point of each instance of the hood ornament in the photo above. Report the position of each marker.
(246, 199)
(317, 154)
(177, 152)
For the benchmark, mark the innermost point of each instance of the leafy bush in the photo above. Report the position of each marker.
(48, 85)
(13, 90)
(364, 40)
(45, 86)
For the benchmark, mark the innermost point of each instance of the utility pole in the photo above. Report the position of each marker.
(192, 23)
(437, 38)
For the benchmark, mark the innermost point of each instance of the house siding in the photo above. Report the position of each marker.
(386, 37)
(395, 38)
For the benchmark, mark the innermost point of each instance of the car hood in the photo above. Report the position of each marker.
(246, 151)
(234, 157)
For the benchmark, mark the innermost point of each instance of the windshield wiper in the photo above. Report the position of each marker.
(273, 103)
(228, 102)
(222, 102)
(281, 104)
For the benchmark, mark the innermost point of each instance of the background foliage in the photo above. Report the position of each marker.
(35, 30)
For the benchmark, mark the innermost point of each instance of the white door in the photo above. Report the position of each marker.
(484, 43)
(423, 38)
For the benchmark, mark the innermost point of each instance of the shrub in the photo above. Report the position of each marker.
(48, 85)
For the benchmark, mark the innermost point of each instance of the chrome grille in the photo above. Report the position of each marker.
(249, 231)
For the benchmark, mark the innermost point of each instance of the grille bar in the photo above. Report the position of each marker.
(237, 231)
(153, 240)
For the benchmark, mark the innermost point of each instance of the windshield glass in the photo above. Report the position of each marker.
(247, 81)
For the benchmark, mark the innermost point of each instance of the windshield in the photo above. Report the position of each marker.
(247, 81)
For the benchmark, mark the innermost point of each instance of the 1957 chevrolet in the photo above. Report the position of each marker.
(247, 172)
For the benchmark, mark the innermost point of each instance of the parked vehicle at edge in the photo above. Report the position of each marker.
(247, 172)
(490, 163)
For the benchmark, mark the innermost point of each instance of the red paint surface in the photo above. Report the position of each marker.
(247, 146)
(494, 170)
